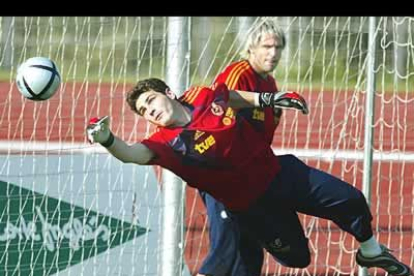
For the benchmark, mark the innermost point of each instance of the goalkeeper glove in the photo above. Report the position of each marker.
(283, 99)
(98, 131)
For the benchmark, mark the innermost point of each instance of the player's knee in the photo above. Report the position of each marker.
(359, 202)
(291, 161)
(362, 206)
(301, 260)
(290, 158)
(297, 256)
(294, 258)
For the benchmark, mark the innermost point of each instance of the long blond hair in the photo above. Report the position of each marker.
(266, 26)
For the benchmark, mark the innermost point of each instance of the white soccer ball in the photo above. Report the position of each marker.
(38, 78)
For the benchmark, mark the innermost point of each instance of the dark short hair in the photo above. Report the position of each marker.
(144, 86)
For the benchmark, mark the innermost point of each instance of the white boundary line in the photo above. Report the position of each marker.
(27, 148)
(329, 155)
(20, 147)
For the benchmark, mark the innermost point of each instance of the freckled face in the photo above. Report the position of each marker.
(156, 108)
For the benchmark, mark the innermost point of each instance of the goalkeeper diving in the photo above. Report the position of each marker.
(232, 162)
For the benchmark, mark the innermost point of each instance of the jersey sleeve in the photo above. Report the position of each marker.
(236, 77)
(204, 96)
(241, 84)
(162, 151)
(220, 92)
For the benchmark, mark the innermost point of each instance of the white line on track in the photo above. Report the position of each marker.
(20, 147)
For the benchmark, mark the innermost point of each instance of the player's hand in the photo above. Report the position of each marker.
(284, 99)
(98, 130)
(290, 99)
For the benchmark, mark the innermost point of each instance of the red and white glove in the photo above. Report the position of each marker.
(283, 99)
(98, 131)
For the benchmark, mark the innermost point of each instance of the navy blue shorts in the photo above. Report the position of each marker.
(273, 218)
(231, 251)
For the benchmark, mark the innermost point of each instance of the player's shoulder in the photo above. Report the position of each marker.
(163, 135)
(238, 68)
(203, 95)
(234, 73)
(237, 64)
(192, 94)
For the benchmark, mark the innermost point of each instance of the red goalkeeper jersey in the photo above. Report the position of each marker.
(241, 76)
(220, 152)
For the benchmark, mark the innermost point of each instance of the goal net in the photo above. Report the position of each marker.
(326, 60)
(68, 208)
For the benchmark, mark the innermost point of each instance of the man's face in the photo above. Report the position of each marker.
(265, 56)
(156, 108)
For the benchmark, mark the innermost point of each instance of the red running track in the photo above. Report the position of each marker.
(336, 120)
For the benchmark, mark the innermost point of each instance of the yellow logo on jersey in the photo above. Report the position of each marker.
(228, 116)
(258, 114)
(226, 121)
(205, 145)
(229, 112)
(198, 134)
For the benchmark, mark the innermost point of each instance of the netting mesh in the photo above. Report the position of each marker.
(44, 151)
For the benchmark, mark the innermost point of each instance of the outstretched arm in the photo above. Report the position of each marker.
(136, 153)
(241, 99)
(283, 99)
(98, 132)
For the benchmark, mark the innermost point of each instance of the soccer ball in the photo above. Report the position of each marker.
(38, 78)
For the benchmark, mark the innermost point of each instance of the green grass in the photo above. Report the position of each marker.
(293, 81)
